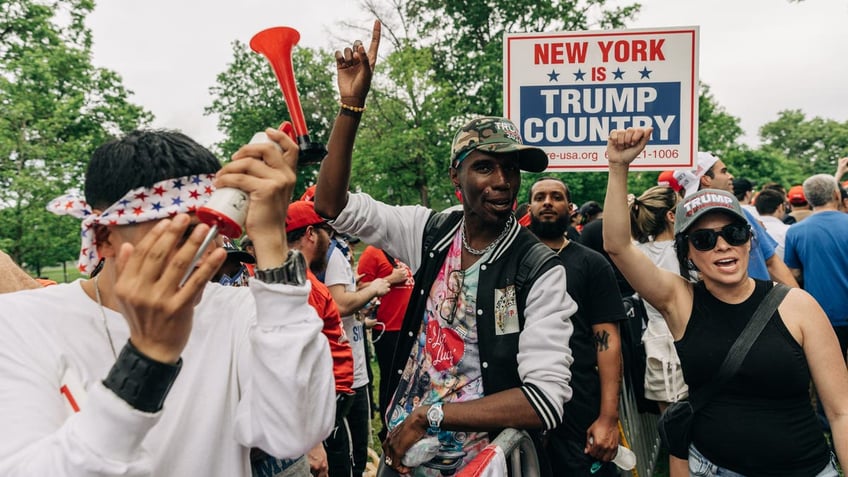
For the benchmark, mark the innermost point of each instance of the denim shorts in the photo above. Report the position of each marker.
(700, 466)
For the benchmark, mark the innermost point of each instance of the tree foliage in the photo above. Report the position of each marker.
(443, 67)
(814, 144)
(466, 37)
(441, 64)
(763, 165)
(718, 130)
(57, 107)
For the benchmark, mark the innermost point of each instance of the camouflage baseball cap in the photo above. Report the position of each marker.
(499, 135)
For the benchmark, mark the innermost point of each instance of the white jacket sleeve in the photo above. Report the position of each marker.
(544, 357)
(398, 230)
(39, 434)
(104, 439)
(288, 401)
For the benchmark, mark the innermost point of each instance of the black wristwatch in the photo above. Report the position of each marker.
(293, 272)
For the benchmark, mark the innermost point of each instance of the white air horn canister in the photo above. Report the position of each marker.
(227, 207)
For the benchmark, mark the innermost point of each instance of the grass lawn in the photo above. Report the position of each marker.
(60, 275)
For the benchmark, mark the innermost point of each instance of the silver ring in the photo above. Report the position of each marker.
(388, 460)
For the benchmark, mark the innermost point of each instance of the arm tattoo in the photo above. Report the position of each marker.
(602, 340)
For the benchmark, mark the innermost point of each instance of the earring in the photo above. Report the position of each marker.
(691, 265)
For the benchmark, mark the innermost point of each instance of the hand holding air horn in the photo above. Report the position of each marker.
(276, 45)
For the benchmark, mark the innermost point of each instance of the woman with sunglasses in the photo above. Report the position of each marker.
(761, 422)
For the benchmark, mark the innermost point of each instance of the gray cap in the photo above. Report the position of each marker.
(693, 207)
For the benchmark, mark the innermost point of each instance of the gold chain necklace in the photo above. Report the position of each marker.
(103, 315)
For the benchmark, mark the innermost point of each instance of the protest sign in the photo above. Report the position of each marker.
(567, 90)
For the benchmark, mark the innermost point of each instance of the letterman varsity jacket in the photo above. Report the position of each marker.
(521, 273)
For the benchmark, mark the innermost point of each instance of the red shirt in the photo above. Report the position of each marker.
(322, 301)
(374, 264)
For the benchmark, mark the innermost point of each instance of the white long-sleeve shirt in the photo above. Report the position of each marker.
(256, 372)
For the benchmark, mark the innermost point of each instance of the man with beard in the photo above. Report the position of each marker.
(588, 438)
(310, 234)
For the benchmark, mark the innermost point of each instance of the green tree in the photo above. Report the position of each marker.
(764, 165)
(814, 144)
(444, 66)
(248, 99)
(466, 37)
(57, 109)
(403, 147)
(718, 130)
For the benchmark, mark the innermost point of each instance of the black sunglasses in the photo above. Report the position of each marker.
(733, 234)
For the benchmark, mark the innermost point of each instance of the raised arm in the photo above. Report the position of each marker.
(659, 287)
(355, 67)
(298, 399)
(841, 168)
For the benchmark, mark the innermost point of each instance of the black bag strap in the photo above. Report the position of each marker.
(390, 258)
(742, 345)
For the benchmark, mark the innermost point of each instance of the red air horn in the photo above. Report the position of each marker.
(276, 44)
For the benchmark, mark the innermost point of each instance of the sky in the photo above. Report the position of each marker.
(759, 57)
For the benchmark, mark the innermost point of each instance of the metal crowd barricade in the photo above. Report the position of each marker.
(640, 432)
(640, 435)
(511, 454)
(521, 457)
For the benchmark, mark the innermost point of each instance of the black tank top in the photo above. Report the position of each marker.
(761, 423)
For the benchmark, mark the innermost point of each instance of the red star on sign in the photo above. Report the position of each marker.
(208, 190)
(141, 195)
(159, 190)
(194, 194)
(120, 212)
(137, 210)
(69, 204)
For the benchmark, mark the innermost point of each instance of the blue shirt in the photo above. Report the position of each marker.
(762, 249)
(818, 245)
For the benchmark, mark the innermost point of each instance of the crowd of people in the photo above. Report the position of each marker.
(482, 317)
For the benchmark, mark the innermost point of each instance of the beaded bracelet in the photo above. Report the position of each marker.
(347, 112)
(355, 109)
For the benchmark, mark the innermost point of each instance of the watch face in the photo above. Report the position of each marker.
(435, 415)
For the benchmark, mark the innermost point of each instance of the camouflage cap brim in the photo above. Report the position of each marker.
(499, 135)
(530, 159)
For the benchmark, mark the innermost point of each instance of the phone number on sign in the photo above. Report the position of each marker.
(656, 154)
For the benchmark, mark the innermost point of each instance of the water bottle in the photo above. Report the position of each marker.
(421, 452)
(624, 459)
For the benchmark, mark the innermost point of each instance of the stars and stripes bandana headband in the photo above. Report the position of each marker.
(161, 200)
